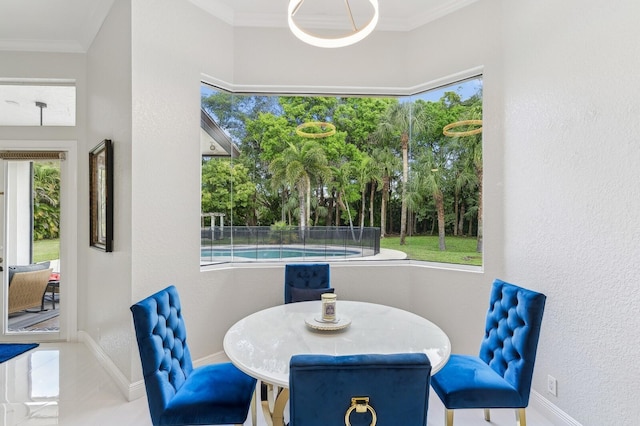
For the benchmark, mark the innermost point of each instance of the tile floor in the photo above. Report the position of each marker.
(63, 384)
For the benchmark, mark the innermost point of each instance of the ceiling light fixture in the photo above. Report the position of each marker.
(446, 130)
(41, 105)
(329, 42)
(323, 130)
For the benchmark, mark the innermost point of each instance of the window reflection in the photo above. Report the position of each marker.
(44, 375)
(409, 166)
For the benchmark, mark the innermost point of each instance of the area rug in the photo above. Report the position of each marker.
(22, 321)
(10, 350)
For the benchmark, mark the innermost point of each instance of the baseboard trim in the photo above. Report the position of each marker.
(135, 390)
(216, 358)
(551, 411)
(131, 391)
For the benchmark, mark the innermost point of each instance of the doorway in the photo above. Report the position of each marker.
(35, 240)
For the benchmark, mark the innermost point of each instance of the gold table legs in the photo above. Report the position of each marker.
(273, 401)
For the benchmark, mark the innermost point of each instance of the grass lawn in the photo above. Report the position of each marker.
(46, 250)
(460, 250)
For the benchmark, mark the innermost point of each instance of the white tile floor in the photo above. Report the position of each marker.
(63, 384)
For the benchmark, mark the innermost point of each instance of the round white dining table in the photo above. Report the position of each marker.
(262, 343)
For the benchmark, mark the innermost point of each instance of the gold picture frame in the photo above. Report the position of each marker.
(101, 196)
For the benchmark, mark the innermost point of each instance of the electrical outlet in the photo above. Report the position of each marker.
(552, 385)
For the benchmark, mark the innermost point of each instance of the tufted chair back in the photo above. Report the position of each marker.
(511, 334)
(162, 340)
(322, 389)
(308, 276)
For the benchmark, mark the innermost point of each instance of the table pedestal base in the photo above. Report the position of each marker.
(273, 400)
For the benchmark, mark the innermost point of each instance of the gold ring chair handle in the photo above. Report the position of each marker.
(361, 405)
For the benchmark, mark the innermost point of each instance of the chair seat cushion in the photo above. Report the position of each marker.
(212, 394)
(468, 382)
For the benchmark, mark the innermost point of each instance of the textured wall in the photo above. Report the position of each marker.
(572, 195)
(560, 173)
(106, 287)
(173, 45)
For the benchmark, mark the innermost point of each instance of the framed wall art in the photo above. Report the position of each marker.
(101, 195)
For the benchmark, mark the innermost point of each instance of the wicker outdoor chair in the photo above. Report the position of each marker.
(26, 290)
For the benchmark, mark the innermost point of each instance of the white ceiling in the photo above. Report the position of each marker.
(71, 25)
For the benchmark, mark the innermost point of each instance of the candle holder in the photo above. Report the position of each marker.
(329, 307)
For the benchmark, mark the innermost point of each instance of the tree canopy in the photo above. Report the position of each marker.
(385, 153)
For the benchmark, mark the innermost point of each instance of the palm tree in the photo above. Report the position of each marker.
(464, 178)
(46, 194)
(369, 174)
(399, 120)
(428, 178)
(471, 157)
(297, 167)
(388, 164)
(340, 183)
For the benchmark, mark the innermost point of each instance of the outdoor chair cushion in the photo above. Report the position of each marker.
(27, 268)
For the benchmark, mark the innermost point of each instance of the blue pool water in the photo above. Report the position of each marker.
(267, 253)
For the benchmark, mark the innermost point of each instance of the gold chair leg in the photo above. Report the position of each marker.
(448, 417)
(487, 415)
(254, 407)
(521, 418)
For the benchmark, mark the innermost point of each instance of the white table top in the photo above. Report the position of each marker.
(262, 344)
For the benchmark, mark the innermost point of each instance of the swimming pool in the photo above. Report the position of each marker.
(275, 253)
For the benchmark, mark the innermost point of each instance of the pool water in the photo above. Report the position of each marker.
(276, 252)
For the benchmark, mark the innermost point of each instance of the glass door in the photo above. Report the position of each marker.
(30, 214)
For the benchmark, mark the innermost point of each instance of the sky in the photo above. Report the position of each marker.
(465, 89)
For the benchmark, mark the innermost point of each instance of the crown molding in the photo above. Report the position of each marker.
(218, 9)
(93, 23)
(64, 46)
(279, 20)
(414, 22)
(341, 90)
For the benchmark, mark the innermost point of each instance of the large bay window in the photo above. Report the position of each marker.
(340, 177)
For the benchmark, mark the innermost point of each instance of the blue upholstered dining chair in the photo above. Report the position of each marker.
(392, 389)
(306, 281)
(179, 394)
(500, 377)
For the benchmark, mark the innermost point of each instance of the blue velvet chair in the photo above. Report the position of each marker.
(306, 281)
(179, 394)
(331, 390)
(500, 377)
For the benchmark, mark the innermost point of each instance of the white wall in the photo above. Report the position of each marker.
(173, 45)
(65, 66)
(560, 178)
(561, 187)
(107, 296)
(572, 195)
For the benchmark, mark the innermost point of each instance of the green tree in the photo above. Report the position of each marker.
(427, 176)
(397, 122)
(470, 161)
(369, 175)
(388, 164)
(342, 184)
(226, 188)
(46, 209)
(298, 166)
